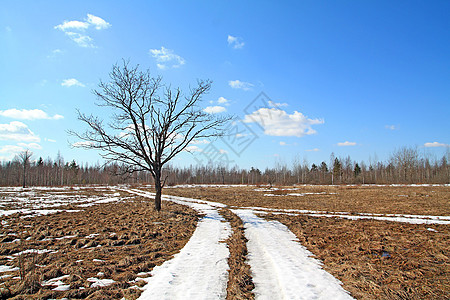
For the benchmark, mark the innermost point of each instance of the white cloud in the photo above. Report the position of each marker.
(214, 109)
(71, 82)
(391, 127)
(277, 104)
(95, 21)
(8, 152)
(81, 39)
(222, 100)
(30, 146)
(75, 29)
(166, 58)
(283, 144)
(55, 53)
(222, 151)
(313, 150)
(436, 144)
(199, 142)
(346, 143)
(161, 66)
(98, 22)
(17, 131)
(10, 148)
(235, 42)
(277, 122)
(28, 114)
(193, 149)
(82, 144)
(237, 84)
(72, 25)
(49, 140)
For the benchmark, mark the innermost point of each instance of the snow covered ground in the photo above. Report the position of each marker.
(38, 201)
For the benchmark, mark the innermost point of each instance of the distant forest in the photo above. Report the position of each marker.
(404, 166)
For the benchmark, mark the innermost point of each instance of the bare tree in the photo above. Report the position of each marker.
(24, 158)
(151, 123)
(407, 160)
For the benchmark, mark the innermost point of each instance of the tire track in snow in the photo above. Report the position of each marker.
(281, 267)
(200, 269)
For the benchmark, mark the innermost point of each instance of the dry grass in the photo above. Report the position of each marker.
(427, 200)
(113, 240)
(240, 284)
(374, 259)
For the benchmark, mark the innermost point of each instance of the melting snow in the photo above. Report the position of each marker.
(200, 269)
(100, 282)
(37, 251)
(93, 235)
(60, 285)
(7, 269)
(281, 267)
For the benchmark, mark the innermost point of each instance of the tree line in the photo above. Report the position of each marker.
(404, 166)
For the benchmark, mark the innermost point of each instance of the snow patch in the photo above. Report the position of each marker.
(60, 285)
(100, 282)
(93, 235)
(4, 268)
(36, 251)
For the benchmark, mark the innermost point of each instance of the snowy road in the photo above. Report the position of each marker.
(281, 267)
(200, 269)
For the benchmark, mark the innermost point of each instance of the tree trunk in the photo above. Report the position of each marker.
(158, 188)
(24, 174)
(158, 197)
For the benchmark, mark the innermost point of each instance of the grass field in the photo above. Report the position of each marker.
(422, 200)
(97, 242)
(374, 259)
(98, 249)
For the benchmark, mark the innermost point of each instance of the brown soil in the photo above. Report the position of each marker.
(427, 200)
(240, 284)
(377, 259)
(113, 240)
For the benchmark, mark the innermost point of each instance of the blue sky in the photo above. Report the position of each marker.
(358, 78)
